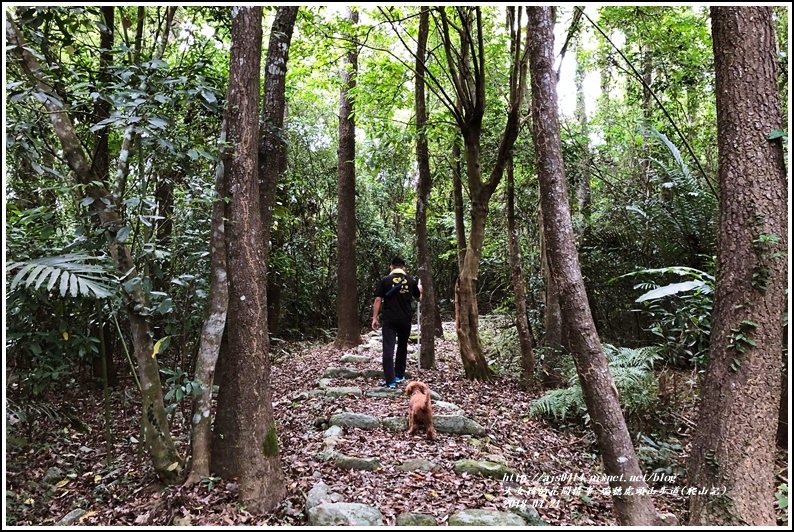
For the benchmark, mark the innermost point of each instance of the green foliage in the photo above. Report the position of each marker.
(682, 324)
(782, 502)
(741, 341)
(763, 246)
(499, 338)
(180, 387)
(672, 221)
(632, 371)
(660, 456)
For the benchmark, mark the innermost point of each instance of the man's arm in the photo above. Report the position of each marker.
(375, 310)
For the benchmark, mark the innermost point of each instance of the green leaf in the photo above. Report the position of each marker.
(670, 289)
(207, 155)
(47, 271)
(208, 96)
(131, 284)
(26, 267)
(73, 288)
(159, 123)
(53, 278)
(34, 273)
(777, 134)
(123, 234)
(64, 283)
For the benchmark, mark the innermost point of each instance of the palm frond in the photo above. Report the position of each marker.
(75, 274)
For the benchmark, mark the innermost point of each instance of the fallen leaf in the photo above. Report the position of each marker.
(62, 483)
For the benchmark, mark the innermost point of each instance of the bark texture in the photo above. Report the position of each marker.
(601, 397)
(212, 330)
(272, 147)
(349, 329)
(733, 450)
(526, 341)
(246, 444)
(427, 349)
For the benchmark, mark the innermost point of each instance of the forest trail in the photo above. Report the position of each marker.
(325, 508)
(345, 453)
(346, 448)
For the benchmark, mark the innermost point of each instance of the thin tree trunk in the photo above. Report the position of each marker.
(272, 147)
(139, 34)
(583, 189)
(349, 327)
(733, 448)
(212, 331)
(457, 191)
(167, 462)
(100, 165)
(245, 446)
(169, 20)
(427, 349)
(525, 340)
(601, 397)
(468, 74)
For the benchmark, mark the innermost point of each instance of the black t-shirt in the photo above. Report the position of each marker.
(397, 303)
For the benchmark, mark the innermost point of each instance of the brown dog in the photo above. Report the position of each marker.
(419, 411)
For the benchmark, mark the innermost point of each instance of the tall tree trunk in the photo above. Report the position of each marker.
(601, 397)
(212, 330)
(349, 329)
(246, 444)
(272, 147)
(100, 165)
(525, 340)
(427, 349)
(583, 189)
(733, 448)
(466, 65)
(165, 459)
(555, 344)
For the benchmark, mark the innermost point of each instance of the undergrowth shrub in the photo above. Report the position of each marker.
(632, 371)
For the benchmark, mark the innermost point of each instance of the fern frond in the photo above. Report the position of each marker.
(632, 373)
(558, 402)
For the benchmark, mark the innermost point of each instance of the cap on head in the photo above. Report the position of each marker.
(398, 262)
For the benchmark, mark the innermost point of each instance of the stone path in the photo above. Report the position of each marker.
(326, 508)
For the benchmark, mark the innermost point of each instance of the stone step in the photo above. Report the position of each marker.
(452, 424)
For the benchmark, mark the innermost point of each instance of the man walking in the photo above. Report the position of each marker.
(395, 293)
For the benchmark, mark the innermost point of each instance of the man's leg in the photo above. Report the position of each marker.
(389, 335)
(403, 332)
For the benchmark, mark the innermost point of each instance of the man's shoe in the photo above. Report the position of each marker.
(388, 385)
(399, 379)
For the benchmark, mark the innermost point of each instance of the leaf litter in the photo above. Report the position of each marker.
(128, 493)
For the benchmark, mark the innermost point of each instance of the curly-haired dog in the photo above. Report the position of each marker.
(419, 411)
